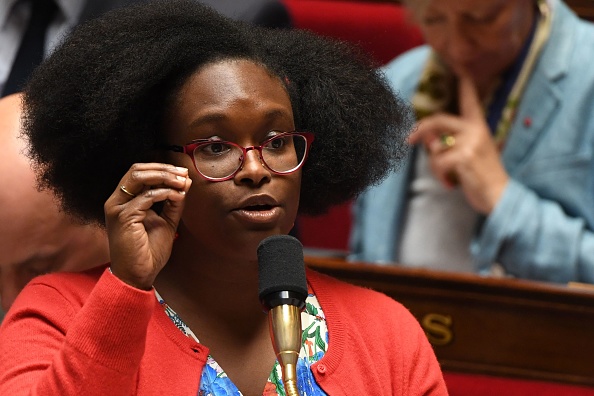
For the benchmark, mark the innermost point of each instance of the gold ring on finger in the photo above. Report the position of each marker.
(447, 141)
(123, 188)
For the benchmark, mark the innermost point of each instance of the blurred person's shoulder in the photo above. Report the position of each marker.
(72, 286)
(404, 71)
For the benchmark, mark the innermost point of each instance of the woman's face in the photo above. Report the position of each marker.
(240, 102)
(482, 38)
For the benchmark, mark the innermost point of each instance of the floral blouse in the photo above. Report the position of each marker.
(314, 344)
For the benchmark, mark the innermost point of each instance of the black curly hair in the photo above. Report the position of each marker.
(98, 103)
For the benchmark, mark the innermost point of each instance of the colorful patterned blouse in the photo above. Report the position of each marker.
(314, 344)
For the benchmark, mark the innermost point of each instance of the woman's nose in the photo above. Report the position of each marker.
(253, 169)
(460, 44)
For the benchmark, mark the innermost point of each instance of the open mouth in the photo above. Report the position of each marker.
(259, 211)
(258, 215)
(258, 207)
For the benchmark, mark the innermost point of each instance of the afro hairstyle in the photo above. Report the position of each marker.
(97, 105)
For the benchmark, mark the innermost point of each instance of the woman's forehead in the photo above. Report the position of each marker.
(230, 92)
(233, 80)
(419, 7)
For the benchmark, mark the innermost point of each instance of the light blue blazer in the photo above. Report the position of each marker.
(543, 226)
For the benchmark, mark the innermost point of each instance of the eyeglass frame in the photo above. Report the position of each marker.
(190, 147)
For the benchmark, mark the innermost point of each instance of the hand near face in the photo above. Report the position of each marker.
(473, 161)
(140, 239)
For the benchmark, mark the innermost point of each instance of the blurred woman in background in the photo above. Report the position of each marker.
(501, 176)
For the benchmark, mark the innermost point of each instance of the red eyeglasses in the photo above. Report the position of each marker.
(218, 160)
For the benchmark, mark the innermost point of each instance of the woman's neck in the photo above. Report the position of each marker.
(213, 285)
(218, 299)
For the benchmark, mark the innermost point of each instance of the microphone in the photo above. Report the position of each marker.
(282, 292)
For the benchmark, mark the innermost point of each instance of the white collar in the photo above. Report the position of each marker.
(5, 8)
(71, 9)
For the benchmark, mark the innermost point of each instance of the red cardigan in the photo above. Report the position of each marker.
(91, 334)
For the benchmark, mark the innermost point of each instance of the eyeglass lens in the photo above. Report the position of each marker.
(282, 154)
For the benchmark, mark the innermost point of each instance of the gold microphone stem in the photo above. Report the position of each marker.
(285, 328)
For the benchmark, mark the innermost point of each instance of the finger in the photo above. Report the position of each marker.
(172, 210)
(142, 177)
(135, 210)
(469, 101)
(444, 142)
(432, 127)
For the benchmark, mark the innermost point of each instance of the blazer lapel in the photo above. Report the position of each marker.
(543, 94)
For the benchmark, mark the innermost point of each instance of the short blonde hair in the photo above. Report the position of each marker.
(416, 7)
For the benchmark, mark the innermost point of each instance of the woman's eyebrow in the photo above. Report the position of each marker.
(208, 119)
(270, 115)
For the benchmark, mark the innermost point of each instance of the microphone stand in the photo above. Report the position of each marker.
(284, 322)
(282, 292)
(285, 327)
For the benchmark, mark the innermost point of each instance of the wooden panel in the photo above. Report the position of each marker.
(502, 327)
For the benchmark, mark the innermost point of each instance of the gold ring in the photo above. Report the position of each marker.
(123, 188)
(447, 141)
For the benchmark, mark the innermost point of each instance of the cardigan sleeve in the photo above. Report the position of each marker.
(411, 356)
(52, 342)
(534, 238)
(376, 346)
(425, 375)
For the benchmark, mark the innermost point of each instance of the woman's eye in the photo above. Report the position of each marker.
(483, 18)
(215, 148)
(277, 143)
(433, 20)
(487, 16)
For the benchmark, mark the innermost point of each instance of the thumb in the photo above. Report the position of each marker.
(173, 209)
(468, 99)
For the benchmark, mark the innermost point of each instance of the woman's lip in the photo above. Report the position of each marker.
(254, 216)
(257, 200)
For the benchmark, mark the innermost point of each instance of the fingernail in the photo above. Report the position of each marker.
(181, 168)
(182, 192)
(181, 178)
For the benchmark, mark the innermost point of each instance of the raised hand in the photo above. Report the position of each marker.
(140, 239)
(463, 152)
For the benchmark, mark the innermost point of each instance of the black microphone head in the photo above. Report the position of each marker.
(281, 271)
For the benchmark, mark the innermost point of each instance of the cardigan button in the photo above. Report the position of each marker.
(321, 369)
